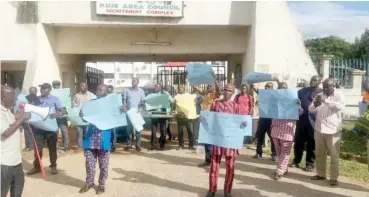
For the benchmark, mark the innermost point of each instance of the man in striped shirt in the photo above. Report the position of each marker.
(225, 105)
(328, 107)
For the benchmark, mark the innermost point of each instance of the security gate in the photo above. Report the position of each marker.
(94, 77)
(176, 75)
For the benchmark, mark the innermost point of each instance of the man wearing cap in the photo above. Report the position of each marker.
(62, 123)
(51, 137)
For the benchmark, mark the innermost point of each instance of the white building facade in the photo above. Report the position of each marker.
(53, 40)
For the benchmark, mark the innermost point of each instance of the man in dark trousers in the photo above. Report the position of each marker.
(51, 137)
(304, 129)
(264, 128)
(12, 176)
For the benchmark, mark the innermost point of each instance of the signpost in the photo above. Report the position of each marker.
(140, 8)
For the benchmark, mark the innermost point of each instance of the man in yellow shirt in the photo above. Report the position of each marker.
(186, 115)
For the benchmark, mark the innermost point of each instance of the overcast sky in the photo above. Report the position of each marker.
(323, 18)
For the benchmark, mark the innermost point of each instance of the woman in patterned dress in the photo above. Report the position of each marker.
(282, 132)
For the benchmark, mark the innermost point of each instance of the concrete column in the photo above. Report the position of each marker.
(356, 78)
(324, 66)
(44, 67)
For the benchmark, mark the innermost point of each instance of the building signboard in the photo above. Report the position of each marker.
(140, 8)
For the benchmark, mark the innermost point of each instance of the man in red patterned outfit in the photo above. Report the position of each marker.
(225, 105)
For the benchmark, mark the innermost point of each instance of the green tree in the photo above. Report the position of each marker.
(360, 49)
(331, 45)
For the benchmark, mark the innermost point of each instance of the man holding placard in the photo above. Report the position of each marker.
(186, 114)
(83, 96)
(97, 147)
(225, 105)
(208, 97)
(51, 137)
(159, 122)
(134, 97)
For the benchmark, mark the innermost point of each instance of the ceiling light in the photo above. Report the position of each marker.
(152, 43)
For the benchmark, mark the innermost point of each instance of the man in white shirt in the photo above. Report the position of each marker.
(328, 107)
(12, 175)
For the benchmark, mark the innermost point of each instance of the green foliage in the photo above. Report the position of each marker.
(338, 47)
(360, 49)
(331, 45)
(352, 144)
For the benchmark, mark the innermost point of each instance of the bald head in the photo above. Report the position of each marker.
(228, 91)
(315, 81)
(102, 90)
(328, 86)
(7, 96)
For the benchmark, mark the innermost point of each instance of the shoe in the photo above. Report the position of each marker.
(138, 149)
(285, 172)
(294, 165)
(309, 169)
(274, 158)
(113, 149)
(180, 148)
(227, 195)
(210, 194)
(100, 190)
(127, 148)
(86, 187)
(277, 176)
(204, 164)
(316, 178)
(333, 182)
(54, 170)
(33, 171)
(257, 156)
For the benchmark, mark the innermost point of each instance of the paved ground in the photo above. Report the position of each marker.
(174, 173)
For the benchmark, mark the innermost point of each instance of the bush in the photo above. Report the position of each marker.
(352, 144)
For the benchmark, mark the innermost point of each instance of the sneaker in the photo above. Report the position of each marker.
(54, 170)
(257, 156)
(33, 171)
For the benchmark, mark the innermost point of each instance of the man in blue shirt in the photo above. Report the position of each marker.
(134, 97)
(51, 137)
(304, 129)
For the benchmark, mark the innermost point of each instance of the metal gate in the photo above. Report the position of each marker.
(176, 75)
(94, 77)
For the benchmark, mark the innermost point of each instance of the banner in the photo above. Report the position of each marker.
(279, 104)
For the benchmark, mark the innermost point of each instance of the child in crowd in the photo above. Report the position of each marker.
(282, 132)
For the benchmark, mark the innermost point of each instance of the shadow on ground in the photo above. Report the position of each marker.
(268, 185)
(60, 178)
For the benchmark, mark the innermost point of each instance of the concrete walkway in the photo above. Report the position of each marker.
(174, 174)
